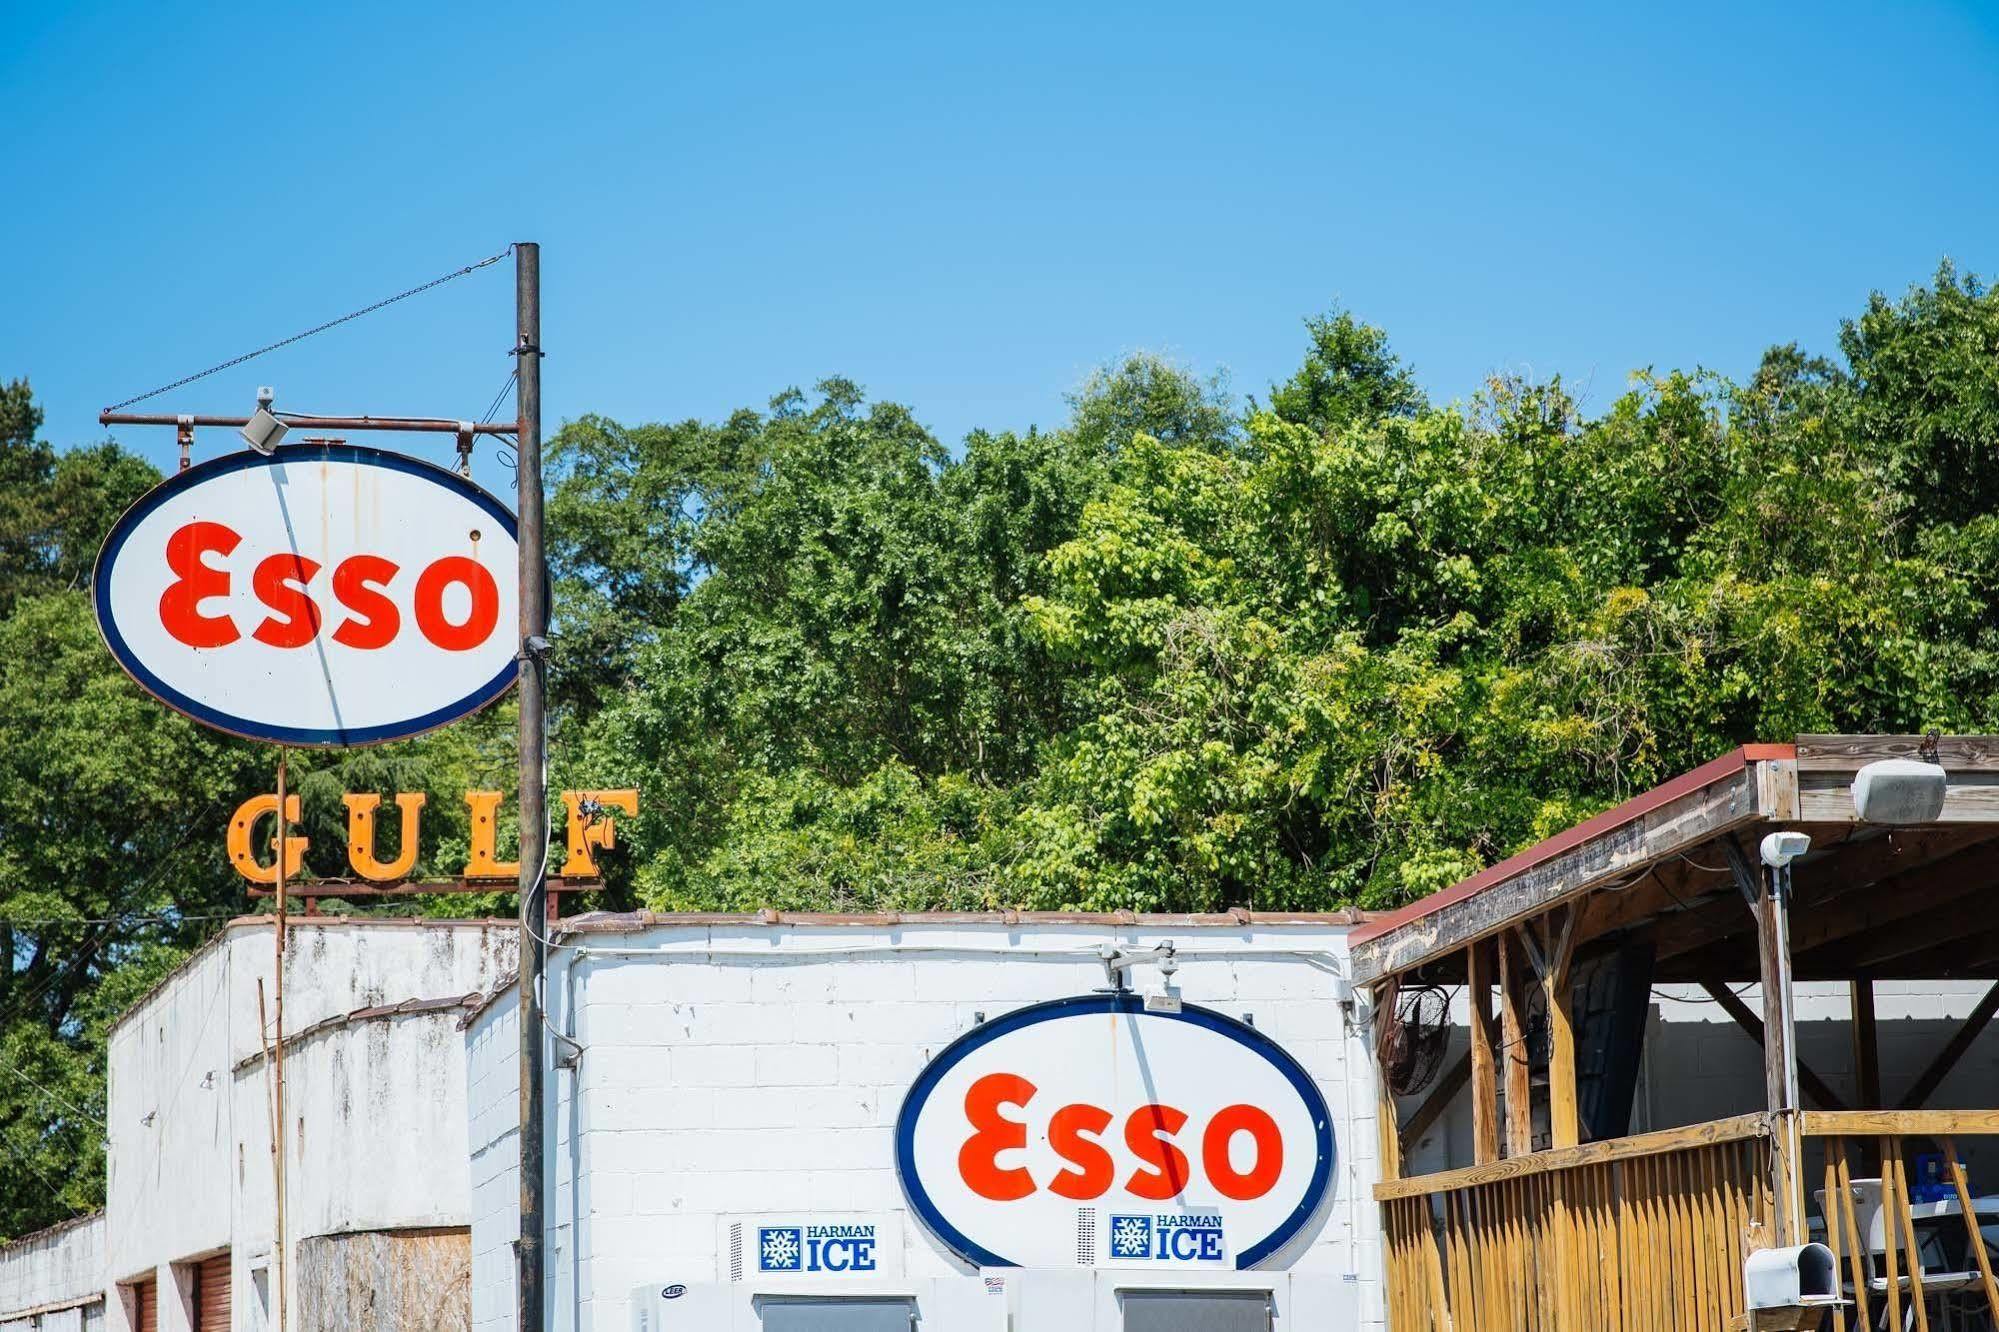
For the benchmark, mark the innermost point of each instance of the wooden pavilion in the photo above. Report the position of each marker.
(1562, 1219)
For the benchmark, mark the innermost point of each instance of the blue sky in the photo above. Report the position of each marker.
(962, 208)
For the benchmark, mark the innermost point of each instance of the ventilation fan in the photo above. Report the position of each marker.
(1412, 1045)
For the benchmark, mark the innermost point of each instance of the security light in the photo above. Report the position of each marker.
(263, 430)
(1779, 849)
(1896, 791)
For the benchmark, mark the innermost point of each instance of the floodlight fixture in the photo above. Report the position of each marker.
(263, 430)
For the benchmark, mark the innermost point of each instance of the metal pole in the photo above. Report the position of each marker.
(533, 747)
(279, 1255)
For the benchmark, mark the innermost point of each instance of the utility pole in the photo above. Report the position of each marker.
(533, 795)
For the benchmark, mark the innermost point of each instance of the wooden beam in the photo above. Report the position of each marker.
(1513, 1049)
(1389, 1143)
(1850, 753)
(1813, 1085)
(1484, 1072)
(1733, 1129)
(1564, 1124)
(1899, 1123)
(1714, 798)
(1866, 1044)
(1953, 1051)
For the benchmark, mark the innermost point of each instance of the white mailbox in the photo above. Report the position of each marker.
(1801, 1280)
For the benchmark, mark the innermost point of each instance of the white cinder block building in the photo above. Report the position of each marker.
(732, 1146)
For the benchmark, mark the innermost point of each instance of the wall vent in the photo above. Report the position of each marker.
(1086, 1237)
(735, 1251)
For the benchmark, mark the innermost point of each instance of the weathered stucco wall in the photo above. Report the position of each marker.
(374, 1071)
(385, 1281)
(60, 1266)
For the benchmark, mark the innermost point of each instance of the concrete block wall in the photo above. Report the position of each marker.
(743, 1068)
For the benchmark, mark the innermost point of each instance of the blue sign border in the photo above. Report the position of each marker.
(1130, 1004)
(228, 723)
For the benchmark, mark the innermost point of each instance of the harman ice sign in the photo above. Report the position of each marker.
(1090, 1129)
(327, 594)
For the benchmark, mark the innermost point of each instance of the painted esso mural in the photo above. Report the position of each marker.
(1093, 1130)
(326, 594)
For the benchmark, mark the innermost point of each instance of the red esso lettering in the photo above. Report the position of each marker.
(360, 586)
(1152, 1133)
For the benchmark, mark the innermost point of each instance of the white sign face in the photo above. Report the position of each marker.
(1089, 1130)
(328, 594)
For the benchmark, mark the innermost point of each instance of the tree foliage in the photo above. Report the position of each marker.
(1341, 645)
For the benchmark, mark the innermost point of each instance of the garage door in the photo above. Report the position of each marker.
(1196, 1311)
(145, 1306)
(211, 1294)
(807, 1314)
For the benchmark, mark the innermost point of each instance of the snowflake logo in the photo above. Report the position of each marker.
(780, 1249)
(1131, 1236)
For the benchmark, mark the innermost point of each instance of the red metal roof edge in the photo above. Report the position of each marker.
(1569, 838)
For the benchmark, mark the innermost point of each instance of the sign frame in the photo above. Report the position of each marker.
(487, 693)
(1130, 1004)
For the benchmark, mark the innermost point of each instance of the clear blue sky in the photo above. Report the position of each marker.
(962, 208)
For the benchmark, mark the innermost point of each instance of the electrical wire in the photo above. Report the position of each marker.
(300, 337)
(67, 1105)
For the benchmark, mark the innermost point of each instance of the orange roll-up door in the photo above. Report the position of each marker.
(146, 1306)
(211, 1295)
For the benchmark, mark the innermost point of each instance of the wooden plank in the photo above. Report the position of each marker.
(1809, 1082)
(1638, 1146)
(1899, 1123)
(1905, 1214)
(1563, 1122)
(1513, 1049)
(1891, 1151)
(1829, 1209)
(1675, 818)
(1484, 1073)
(1850, 753)
(1946, 1060)
(1845, 1216)
(1866, 1043)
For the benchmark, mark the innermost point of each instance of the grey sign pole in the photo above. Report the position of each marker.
(534, 750)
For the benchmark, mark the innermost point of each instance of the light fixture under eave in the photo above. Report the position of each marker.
(263, 430)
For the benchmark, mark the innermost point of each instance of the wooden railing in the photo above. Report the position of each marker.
(1639, 1234)
(1899, 1256)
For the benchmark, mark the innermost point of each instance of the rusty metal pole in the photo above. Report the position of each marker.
(533, 795)
(279, 1255)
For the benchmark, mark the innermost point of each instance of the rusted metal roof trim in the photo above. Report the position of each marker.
(1593, 850)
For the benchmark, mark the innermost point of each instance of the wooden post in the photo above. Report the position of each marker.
(1387, 1124)
(1866, 1045)
(1484, 1074)
(1779, 1056)
(1563, 1123)
(1513, 1049)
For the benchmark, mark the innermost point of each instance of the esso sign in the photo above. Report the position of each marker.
(328, 594)
(1182, 1138)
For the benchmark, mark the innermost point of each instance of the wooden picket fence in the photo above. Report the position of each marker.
(1639, 1234)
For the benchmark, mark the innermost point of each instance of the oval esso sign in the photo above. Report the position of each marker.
(327, 594)
(1092, 1131)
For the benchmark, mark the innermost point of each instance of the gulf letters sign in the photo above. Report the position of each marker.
(1092, 1130)
(326, 594)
